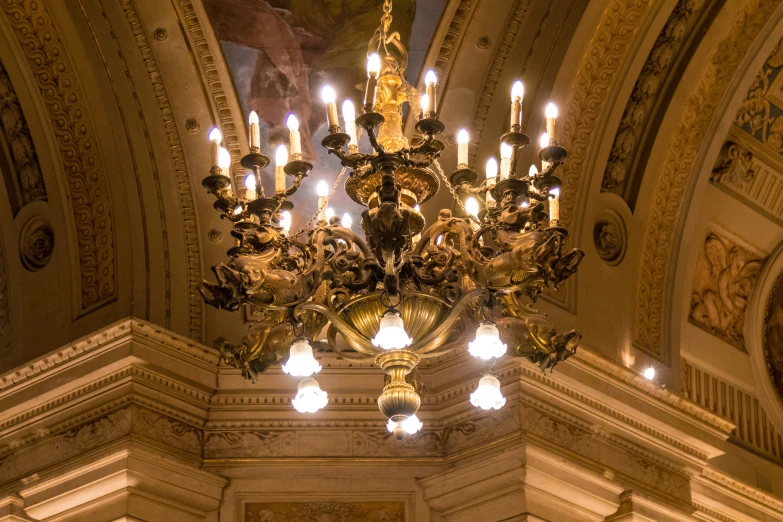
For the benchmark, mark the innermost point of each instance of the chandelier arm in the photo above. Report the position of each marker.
(357, 341)
(295, 186)
(438, 336)
(420, 147)
(331, 335)
(377, 147)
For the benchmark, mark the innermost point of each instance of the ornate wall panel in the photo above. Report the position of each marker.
(754, 430)
(773, 335)
(86, 182)
(678, 167)
(24, 180)
(324, 511)
(649, 88)
(725, 276)
(5, 309)
(749, 178)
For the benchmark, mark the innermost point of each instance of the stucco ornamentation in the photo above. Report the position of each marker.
(610, 237)
(725, 276)
(324, 511)
(678, 168)
(5, 308)
(29, 181)
(639, 110)
(773, 335)
(85, 176)
(36, 243)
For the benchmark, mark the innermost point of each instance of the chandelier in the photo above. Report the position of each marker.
(404, 292)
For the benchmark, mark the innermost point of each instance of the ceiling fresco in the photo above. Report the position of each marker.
(282, 52)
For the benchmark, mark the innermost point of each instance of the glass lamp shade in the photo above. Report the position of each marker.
(301, 362)
(392, 334)
(310, 398)
(487, 396)
(410, 425)
(487, 344)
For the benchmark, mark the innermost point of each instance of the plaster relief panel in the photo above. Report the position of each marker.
(725, 276)
(773, 335)
(324, 512)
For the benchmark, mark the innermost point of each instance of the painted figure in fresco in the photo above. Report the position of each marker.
(302, 45)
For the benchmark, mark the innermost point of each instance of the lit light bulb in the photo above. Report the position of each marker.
(463, 137)
(238, 210)
(472, 206)
(425, 103)
(410, 425)
(253, 118)
(439, 239)
(346, 221)
(417, 208)
(285, 221)
(224, 158)
(649, 373)
(543, 141)
(327, 94)
(551, 110)
(487, 343)
(310, 397)
(301, 362)
(506, 150)
(373, 65)
(524, 204)
(250, 181)
(281, 156)
(329, 213)
(462, 147)
(215, 135)
(292, 122)
(555, 192)
(322, 189)
(533, 171)
(349, 115)
(430, 78)
(392, 334)
(517, 91)
(491, 170)
(488, 396)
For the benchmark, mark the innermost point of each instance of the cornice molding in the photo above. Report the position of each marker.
(120, 330)
(712, 476)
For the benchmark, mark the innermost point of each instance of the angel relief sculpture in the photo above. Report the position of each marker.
(725, 276)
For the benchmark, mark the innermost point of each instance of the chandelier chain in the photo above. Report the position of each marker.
(317, 212)
(454, 192)
(386, 19)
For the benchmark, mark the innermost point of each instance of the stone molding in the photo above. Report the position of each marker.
(5, 304)
(679, 166)
(87, 185)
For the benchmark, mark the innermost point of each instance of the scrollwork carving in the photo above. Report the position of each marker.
(84, 172)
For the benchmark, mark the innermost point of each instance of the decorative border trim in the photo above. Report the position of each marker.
(84, 172)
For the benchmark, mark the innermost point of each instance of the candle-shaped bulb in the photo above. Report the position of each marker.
(533, 171)
(425, 103)
(329, 213)
(543, 141)
(346, 221)
(517, 91)
(430, 78)
(551, 110)
(292, 123)
(373, 65)
(255, 131)
(215, 135)
(322, 189)
(285, 221)
(349, 115)
(491, 170)
(462, 147)
(430, 81)
(253, 118)
(554, 204)
(472, 206)
(551, 114)
(224, 158)
(328, 95)
(250, 181)
(281, 156)
(294, 137)
(506, 150)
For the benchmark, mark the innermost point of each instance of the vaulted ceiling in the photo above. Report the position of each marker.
(672, 185)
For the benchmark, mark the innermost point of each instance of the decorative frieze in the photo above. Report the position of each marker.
(324, 511)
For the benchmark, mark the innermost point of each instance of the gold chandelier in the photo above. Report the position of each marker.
(404, 293)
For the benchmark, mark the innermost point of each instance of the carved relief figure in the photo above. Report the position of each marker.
(325, 512)
(725, 276)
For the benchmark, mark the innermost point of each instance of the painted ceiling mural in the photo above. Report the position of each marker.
(282, 52)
